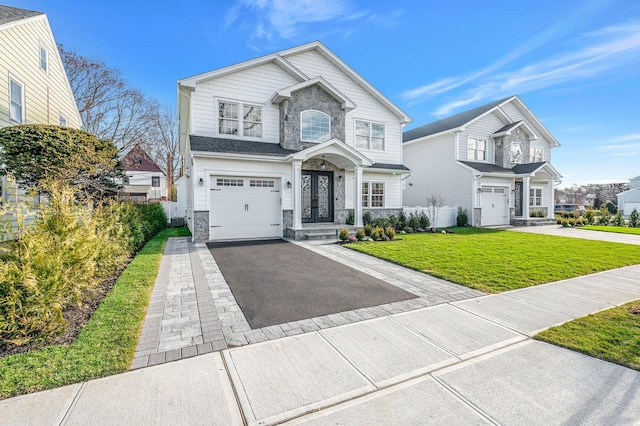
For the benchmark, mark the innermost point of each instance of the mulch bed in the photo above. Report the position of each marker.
(76, 316)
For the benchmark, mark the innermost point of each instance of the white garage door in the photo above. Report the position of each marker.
(245, 207)
(494, 206)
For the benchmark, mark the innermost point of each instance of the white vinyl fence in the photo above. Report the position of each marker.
(446, 216)
(172, 210)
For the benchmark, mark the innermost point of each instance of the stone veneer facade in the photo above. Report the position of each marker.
(201, 226)
(504, 145)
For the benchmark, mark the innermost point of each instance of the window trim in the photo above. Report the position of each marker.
(301, 128)
(370, 136)
(368, 202)
(41, 49)
(18, 82)
(63, 118)
(155, 179)
(476, 150)
(533, 197)
(532, 158)
(240, 119)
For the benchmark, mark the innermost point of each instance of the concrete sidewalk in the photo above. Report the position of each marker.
(584, 234)
(461, 361)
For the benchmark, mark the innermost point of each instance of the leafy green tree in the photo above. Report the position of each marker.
(35, 152)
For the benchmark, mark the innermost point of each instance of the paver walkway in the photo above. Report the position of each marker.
(193, 311)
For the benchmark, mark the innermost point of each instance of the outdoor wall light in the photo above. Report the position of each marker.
(410, 184)
(479, 189)
(201, 182)
(288, 184)
(339, 176)
(323, 166)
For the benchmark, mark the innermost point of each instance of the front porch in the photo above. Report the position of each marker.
(317, 231)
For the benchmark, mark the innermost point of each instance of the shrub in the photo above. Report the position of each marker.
(390, 232)
(634, 219)
(393, 221)
(366, 218)
(618, 220)
(344, 234)
(605, 217)
(402, 220)
(367, 229)
(462, 217)
(408, 229)
(559, 219)
(565, 223)
(377, 233)
(537, 213)
(351, 218)
(424, 220)
(360, 234)
(612, 208)
(590, 216)
(414, 221)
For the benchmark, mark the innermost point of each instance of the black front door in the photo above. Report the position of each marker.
(317, 196)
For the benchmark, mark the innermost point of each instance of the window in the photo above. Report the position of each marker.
(372, 194)
(515, 152)
(230, 121)
(315, 126)
(535, 197)
(125, 180)
(369, 135)
(44, 59)
(229, 182)
(477, 149)
(16, 106)
(535, 154)
(256, 183)
(155, 181)
(63, 120)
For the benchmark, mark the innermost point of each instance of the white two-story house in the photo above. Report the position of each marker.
(494, 161)
(279, 144)
(144, 181)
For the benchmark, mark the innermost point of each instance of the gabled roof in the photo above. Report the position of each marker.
(285, 93)
(137, 160)
(450, 123)
(279, 58)
(234, 146)
(10, 14)
(463, 119)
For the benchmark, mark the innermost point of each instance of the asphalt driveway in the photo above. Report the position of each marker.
(277, 282)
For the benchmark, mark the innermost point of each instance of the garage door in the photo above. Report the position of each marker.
(245, 208)
(494, 206)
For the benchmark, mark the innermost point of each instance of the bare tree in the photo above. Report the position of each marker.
(162, 142)
(435, 201)
(108, 106)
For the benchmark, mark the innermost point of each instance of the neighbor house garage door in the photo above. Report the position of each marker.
(245, 207)
(494, 206)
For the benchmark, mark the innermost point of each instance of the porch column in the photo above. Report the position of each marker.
(357, 203)
(552, 201)
(525, 198)
(296, 177)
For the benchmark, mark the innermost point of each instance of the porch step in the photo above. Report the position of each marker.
(533, 222)
(318, 232)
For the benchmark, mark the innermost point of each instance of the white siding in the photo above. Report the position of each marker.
(145, 178)
(435, 171)
(47, 94)
(481, 129)
(367, 107)
(255, 86)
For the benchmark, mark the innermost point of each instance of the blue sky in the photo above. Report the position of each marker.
(575, 63)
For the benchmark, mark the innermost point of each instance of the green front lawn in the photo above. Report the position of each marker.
(615, 229)
(495, 261)
(612, 335)
(106, 344)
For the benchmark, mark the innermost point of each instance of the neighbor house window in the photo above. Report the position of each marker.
(369, 135)
(535, 154)
(315, 126)
(16, 103)
(535, 197)
(231, 122)
(477, 149)
(125, 180)
(44, 59)
(155, 181)
(372, 194)
(63, 120)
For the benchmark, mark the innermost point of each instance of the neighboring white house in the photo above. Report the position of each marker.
(494, 161)
(144, 181)
(281, 143)
(34, 88)
(630, 199)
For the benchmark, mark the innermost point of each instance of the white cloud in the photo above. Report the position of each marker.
(603, 53)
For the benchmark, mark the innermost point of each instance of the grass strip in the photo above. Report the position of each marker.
(612, 335)
(106, 344)
(614, 229)
(494, 261)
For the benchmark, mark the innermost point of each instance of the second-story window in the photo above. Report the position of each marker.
(155, 181)
(369, 135)
(16, 103)
(535, 154)
(477, 149)
(63, 120)
(239, 119)
(44, 59)
(315, 126)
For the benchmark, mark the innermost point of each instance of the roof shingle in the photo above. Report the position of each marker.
(11, 14)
